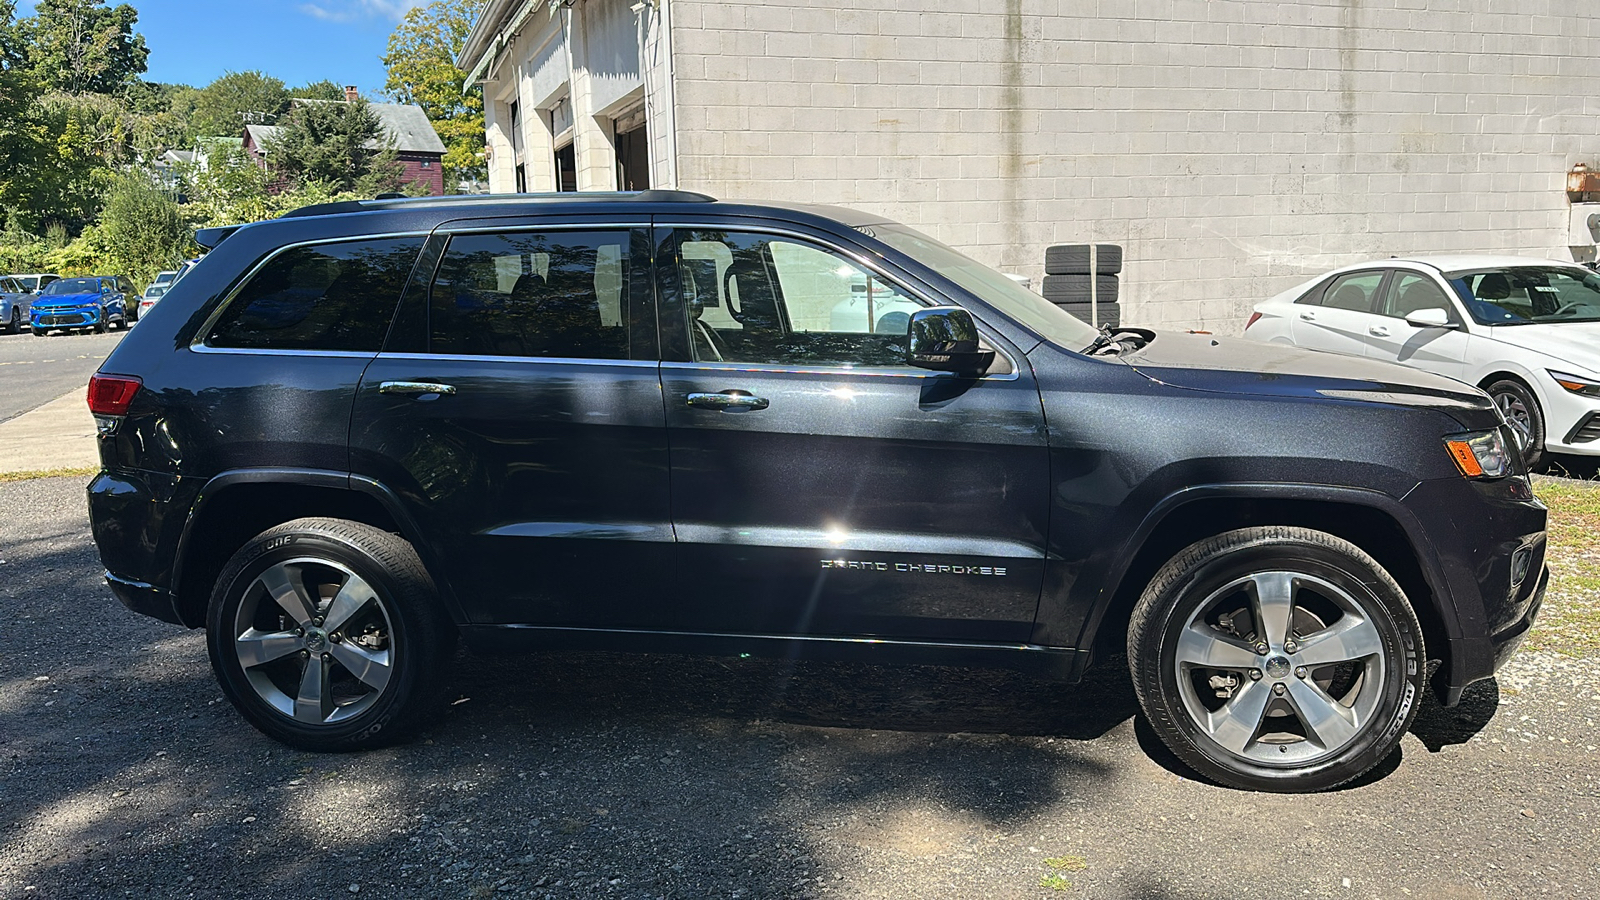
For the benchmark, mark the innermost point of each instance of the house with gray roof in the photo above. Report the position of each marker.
(417, 145)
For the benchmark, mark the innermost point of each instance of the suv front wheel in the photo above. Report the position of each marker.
(327, 635)
(1277, 659)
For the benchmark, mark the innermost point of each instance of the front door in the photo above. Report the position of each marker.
(517, 410)
(1391, 338)
(820, 486)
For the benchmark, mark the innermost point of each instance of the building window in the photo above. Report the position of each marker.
(566, 169)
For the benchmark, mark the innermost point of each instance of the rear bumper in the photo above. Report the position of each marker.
(145, 599)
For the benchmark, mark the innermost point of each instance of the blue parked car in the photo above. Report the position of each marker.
(94, 304)
(14, 301)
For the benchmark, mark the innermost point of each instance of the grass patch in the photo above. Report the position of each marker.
(1056, 881)
(48, 473)
(1570, 621)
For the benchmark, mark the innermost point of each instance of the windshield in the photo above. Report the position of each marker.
(72, 286)
(1523, 295)
(1031, 310)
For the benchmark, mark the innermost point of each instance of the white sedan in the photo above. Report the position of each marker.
(1527, 331)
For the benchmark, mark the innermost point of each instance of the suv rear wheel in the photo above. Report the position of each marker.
(1277, 658)
(327, 635)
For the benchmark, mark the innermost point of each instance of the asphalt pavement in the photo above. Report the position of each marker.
(34, 371)
(123, 772)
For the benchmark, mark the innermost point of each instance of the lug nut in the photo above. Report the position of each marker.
(1300, 672)
(1290, 646)
(1279, 689)
(1262, 649)
(305, 654)
(1255, 674)
(335, 637)
(317, 622)
(325, 657)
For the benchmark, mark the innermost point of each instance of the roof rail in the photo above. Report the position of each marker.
(655, 195)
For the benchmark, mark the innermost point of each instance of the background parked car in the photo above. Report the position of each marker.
(1525, 330)
(36, 282)
(152, 294)
(130, 294)
(95, 303)
(15, 299)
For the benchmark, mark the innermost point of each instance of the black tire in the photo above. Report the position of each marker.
(405, 640)
(101, 326)
(1075, 288)
(1073, 259)
(1104, 314)
(1523, 414)
(15, 325)
(40, 332)
(1299, 740)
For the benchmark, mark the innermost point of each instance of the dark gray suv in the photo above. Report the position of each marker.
(660, 422)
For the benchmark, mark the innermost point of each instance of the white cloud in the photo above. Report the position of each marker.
(356, 10)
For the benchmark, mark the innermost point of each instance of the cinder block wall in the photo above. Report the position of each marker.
(1234, 147)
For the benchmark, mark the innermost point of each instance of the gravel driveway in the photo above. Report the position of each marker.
(124, 773)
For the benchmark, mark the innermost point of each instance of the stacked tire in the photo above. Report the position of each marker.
(1082, 279)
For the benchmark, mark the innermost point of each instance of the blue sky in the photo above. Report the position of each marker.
(299, 41)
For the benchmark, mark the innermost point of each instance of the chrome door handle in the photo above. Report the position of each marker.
(1378, 330)
(415, 387)
(738, 401)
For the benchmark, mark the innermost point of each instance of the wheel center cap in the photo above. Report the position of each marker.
(317, 640)
(1278, 667)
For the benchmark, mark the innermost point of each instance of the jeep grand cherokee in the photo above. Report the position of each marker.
(660, 422)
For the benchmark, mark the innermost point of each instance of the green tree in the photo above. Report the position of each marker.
(142, 230)
(222, 108)
(422, 70)
(318, 90)
(340, 144)
(83, 46)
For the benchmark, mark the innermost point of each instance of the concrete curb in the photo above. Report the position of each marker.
(57, 435)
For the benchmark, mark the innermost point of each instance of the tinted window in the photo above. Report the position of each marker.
(8, 286)
(336, 296)
(1518, 296)
(1412, 292)
(550, 294)
(1353, 291)
(759, 299)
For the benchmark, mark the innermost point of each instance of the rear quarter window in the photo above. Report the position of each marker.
(332, 296)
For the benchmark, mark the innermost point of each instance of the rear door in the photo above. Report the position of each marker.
(1337, 318)
(517, 411)
(820, 486)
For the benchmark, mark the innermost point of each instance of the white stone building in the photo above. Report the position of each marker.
(1233, 147)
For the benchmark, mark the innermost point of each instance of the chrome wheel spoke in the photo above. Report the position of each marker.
(1350, 638)
(1272, 602)
(255, 648)
(314, 703)
(353, 595)
(370, 666)
(1201, 645)
(1327, 723)
(283, 584)
(1235, 725)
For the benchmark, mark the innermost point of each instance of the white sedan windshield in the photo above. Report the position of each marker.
(1523, 295)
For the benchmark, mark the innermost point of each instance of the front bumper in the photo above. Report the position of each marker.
(65, 318)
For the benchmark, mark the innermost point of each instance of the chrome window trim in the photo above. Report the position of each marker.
(918, 295)
(869, 371)
(557, 360)
(282, 351)
(204, 332)
(522, 229)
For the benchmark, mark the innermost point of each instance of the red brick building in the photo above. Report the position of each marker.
(417, 145)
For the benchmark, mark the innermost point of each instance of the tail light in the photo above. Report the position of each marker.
(1253, 317)
(110, 395)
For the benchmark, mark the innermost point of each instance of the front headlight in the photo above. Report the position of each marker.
(1481, 455)
(1585, 386)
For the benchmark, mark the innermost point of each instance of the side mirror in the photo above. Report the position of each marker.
(1430, 318)
(945, 338)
